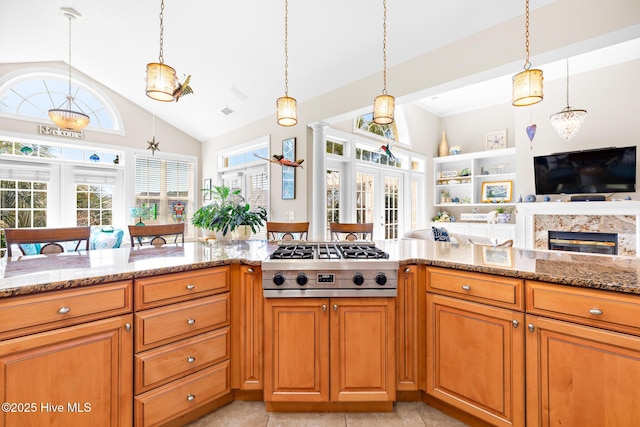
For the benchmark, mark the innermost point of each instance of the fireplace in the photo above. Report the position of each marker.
(597, 243)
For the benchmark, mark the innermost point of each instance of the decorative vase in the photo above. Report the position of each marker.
(443, 149)
(503, 218)
(242, 232)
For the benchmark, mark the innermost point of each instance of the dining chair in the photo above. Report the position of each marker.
(287, 230)
(156, 233)
(32, 241)
(351, 231)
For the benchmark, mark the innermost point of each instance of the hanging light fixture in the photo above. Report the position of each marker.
(383, 105)
(161, 79)
(287, 108)
(64, 116)
(568, 121)
(527, 85)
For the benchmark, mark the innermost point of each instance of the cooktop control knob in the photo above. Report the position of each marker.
(381, 279)
(278, 279)
(302, 279)
(358, 279)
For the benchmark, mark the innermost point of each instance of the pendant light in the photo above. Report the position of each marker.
(287, 108)
(161, 78)
(64, 116)
(568, 121)
(383, 105)
(527, 85)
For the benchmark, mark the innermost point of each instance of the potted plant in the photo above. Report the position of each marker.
(503, 214)
(246, 220)
(217, 216)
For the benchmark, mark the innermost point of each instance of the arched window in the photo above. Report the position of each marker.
(30, 94)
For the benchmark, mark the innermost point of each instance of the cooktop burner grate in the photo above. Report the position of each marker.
(293, 252)
(362, 251)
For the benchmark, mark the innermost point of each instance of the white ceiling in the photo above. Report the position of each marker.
(237, 46)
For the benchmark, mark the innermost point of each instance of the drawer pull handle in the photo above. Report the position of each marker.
(595, 311)
(191, 397)
(407, 270)
(191, 359)
(191, 286)
(466, 287)
(515, 323)
(250, 270)
(64, 310)
(191, 321)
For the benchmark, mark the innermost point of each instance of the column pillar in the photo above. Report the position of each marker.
(318, 210)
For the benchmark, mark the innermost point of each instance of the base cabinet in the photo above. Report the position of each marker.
(409, 313)
(75, 376)
(329, 350)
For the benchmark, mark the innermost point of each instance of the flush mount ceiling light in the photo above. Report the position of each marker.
(287, 108)
(64, 116)
(161, 79)
(568, 121)
(527, 85)
(383, 105)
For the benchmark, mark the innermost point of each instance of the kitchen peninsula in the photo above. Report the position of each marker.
(472, 322)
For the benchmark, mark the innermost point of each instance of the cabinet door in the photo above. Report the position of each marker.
(76, 376)
(580, 375)
(475, 359)
(248, 317)
(296, 350)
(363, 349)
(407, 325)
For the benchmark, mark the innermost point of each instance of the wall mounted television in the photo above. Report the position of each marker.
(604, 170)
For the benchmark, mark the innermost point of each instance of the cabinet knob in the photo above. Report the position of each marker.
(324, 307)
(127, 327)
(191, 321)
(191, 359)
(407, 270)
(466, 287)
(250, 270)
(515, 323)
(335, 307)
(64, 310)
(191, 397)
(531, 327)
(191, 286)
(595, 311)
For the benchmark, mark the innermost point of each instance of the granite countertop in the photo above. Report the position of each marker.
(38, 273)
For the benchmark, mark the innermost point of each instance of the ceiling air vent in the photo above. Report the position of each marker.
(226, 111)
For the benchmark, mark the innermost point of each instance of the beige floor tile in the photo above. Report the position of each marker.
(236, 414)
(434, 418)
(306, 419)
(404, 414)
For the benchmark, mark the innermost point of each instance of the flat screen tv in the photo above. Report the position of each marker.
(605, 170)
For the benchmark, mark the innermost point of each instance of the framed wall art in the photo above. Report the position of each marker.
(498, 191)
(288, 172)
(496, 139)
(206, 190)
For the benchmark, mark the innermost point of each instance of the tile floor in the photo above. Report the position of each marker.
(253, 414)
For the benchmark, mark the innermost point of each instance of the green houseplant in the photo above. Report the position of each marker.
(246, 220)
(503, 214)
(217, 215)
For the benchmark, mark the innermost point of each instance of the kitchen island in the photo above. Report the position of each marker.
(471, 323)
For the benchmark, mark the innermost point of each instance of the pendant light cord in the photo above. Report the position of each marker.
(384, 46)
(527, 64)
(286, 48)
(567, 82)
(69, 17)
(161, 55)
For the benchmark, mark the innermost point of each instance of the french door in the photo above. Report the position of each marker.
(378, 199)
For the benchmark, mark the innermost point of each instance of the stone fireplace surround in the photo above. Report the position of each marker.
(534, 220)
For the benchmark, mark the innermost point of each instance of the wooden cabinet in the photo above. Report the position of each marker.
(329, 350)
(76, 375)
(583, 366)
(182, 345)
(475, 344)
(410, 316)
(248, 317)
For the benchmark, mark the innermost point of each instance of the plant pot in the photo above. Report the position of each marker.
(223, 237)
(503, 218)
(208, 234)
(242, 232)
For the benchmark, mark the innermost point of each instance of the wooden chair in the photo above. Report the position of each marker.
(156, 233)
(351, 232)
(287, 230)
(51, 238)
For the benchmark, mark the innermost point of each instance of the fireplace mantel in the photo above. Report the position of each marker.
(592, 215)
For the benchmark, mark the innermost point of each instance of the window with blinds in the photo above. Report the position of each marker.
(167, 187)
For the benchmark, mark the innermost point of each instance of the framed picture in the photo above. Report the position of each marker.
(206, 189)
(496, 139)
(288, 172)
(498, 257)
(498, 191)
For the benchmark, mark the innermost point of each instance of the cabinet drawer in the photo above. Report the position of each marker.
(161, 365)
(163, 325)
(176, 287)
(170, 401)
(604, 309)
(485, 288)
(50, 310)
